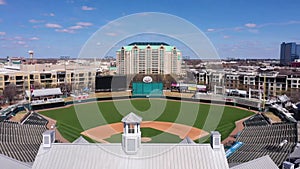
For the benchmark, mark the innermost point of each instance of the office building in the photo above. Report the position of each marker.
(289, 52)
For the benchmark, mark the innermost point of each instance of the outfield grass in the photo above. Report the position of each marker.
(194, 114)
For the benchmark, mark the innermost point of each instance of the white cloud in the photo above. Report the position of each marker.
(292, 22)
(80, 25)
(2, 33)
(226, 37)
(34, 38)
(85, 24)
(49, 14)
(65, 30)
(211, 30)
(76, 27)
(35, 21)
(87, 8)
(53, 25)
(21, 42)
(250, 25)
(2, 2)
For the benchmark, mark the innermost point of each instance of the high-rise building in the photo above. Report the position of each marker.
(149, 58)
(289, 52)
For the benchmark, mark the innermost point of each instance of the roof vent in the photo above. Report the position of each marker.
(215, 140)
(48, 138)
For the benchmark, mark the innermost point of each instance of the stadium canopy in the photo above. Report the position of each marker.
(111, 156)
(11, 163)
(44, 92)
(263, 162)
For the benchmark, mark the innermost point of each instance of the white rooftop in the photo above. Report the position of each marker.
(80, 140)
(264, 162)
(132, 118)
(187, 140)
(11, 163)
(44, 92)
(111, 156)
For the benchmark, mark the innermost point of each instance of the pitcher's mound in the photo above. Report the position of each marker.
(146, 139)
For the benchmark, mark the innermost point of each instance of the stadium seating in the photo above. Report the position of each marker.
(261, 138)
(22, 141)
(35, 119)
(256, 120)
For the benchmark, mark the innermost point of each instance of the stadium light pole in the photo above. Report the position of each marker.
(30, 52)
(65, 58)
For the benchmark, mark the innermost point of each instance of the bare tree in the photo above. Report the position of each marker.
(2, 99)
(37, 85)
(66, 88)
(10, 92)
(294, 94)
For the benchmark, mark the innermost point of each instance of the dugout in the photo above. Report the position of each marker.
(140, 89)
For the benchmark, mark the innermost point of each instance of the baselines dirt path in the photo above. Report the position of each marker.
(106, 131)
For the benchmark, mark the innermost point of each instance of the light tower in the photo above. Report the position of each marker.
(30, 52)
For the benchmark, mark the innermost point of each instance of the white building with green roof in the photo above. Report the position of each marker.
(149, 58)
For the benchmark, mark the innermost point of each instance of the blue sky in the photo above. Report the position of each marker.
(237, 28)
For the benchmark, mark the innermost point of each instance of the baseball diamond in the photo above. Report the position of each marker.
(98, 121)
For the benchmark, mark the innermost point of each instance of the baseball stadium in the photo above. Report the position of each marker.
(168, 117)
(162, 117)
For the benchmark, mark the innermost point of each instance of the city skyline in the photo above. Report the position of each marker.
(237, 29)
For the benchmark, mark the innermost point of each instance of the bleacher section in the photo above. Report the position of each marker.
(260, 140)
(256, 120)
(22, 142)
(35, 119)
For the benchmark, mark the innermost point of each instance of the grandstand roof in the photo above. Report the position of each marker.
(80, 140)
(111, 156)
(264, 162)
(187, 140)
(44, 92)
(11, 163)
